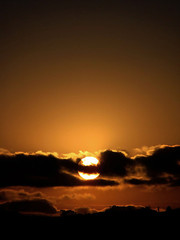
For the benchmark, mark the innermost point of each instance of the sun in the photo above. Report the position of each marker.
(89, 161)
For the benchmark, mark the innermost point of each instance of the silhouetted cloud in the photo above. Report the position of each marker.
(114, 163)
(33, 205)
(43, 171)
(158, 167)
(153, 181)
(162, 167)
(163, 160)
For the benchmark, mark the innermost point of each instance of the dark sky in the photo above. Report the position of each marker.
(89, 75)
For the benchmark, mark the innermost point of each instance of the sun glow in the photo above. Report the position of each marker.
(87, 176)
(89, 161)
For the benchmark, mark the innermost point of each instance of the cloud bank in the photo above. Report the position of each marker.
(160, 166)
(30, 206)
(39, 170)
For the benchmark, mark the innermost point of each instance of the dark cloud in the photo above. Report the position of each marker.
(29, 170)
(114, 164)
(162, 167)
(153, 181)
(43, 171)
(13, 200)
(33, 205)
(163, 160)
(100, 182)
(159, 168)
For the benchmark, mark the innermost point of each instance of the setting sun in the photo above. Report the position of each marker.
(89, 126)
(89, 161)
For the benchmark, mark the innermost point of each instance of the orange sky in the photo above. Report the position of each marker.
(88, 76)
(102, 197)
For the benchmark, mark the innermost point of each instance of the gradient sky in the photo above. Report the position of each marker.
(89, 75)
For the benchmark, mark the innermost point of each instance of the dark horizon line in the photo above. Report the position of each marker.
(110, 210)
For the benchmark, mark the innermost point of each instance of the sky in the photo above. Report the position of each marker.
(82, 77)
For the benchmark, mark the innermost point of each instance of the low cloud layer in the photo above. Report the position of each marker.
(30, 206)
(12, 200)
(18, 195)
(160, 166)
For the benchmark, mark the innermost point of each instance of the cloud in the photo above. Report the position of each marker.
(156, 165)
(4, 151)
(113, 163)
(77, 196)
(15, 195)
(40, 170)
(32, 206)
(153, 181)
(160, 165)
(163, 160)
(85, 210)
(18, 200)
